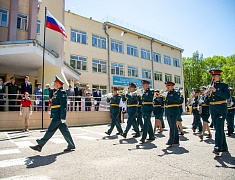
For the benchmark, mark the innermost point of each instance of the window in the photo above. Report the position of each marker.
(176, 62)
(158, 76)
(3, 17)
(145, 54)
(22, 22)
(132, 71)
(168, 77)
(117, 69)
(103, 89)
(99, 66)
(78, 36)
(177, 79)
(146, 73)
(116, 46)
(38, 26)
(132, 50)
(98, 41)
(78, 62)
(167, 60)
(157, 57)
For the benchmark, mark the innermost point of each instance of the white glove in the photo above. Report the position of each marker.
(49, 112)
(201, 101)
(232, 103)
(31, 112)
(20, 113)
(63, 120)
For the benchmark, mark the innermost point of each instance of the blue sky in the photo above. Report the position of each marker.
(204, 25)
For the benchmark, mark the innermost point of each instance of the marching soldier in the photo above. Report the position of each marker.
(58, 115)
(230, 115)
(205, 113)
(179, 120)
(172, 101)
(147, 108)
(139, 114)
(114, 112)
(158, 111)
(218, 94)
(196, 114)
(132, 103)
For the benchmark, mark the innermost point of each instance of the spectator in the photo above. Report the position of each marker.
(88, 100)
(86, 89)
(46, 93)
(70, 94)
(2, 95)
(26, 86)
(13, 91)
(26, 110)
(97, 98)
(38, 97)
(78, 95)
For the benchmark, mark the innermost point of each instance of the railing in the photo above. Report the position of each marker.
(11, 102)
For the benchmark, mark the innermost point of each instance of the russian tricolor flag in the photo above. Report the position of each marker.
(54, 24)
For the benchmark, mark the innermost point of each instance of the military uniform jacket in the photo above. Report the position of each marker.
(114, 104)
(147, 101)
(181, 100)
(59, 104)
(218, 103)
(205, 105)
(172, 103)
(231, 109)
(132, 102)
(158, 106)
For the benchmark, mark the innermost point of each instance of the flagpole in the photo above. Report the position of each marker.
(43, 63)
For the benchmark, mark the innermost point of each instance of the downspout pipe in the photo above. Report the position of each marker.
(105, 30)
(152, 41)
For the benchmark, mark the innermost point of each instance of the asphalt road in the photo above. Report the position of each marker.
(100, 157)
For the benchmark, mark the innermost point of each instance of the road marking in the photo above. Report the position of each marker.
(24, 144)
(27, 177)
(57, 140)
(9, 151)
(15, 162)
(86, 137)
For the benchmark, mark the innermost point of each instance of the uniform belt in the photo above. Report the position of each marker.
(194, 107)
(132, 105)
(139, 105)
(55, 106)
(172, 105)
(157, 105)
(147, 103)
(231, 108)
(205, 105)
(25, 106)
(114, 104)
(218, 102)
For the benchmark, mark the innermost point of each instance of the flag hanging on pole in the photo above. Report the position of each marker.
(54, 24)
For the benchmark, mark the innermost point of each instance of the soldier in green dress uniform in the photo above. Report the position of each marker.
(179, 120)
(147, 108)
(158, 109)
(132, 103)
(230, 115)
(172, 101)
(58, 115)
(114, 112)
(196, 114)
(218, 95)
(139, 114)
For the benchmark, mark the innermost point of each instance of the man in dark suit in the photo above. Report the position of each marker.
(78, 95)
(97, 98)
(26, 86)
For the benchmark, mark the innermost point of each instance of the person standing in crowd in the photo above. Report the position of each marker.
(26, 86)
(147, 108)
(132, 103)
(172, 101)
(38, 97)
(78, 95)
(26, 110)
(13, 91)
(70, 94)
(230, 115)
(88, 102)
(97, 98)
(196, 114)
(46, 93)
(2, 95)
(58, 115)
(114, 112)
(218, 95)
(139, 113)
(179, 120)
(205, 113)
(158, 111)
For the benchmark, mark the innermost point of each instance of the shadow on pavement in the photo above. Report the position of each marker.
(128, 141)
(159, 135)
(225, 160)
(209, 141)
(183, 138)
(6, 139)
(110, 137)
(173, 150)
(37, 161)
(147, 145)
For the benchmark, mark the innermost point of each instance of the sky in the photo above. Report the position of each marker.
(207, 26)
